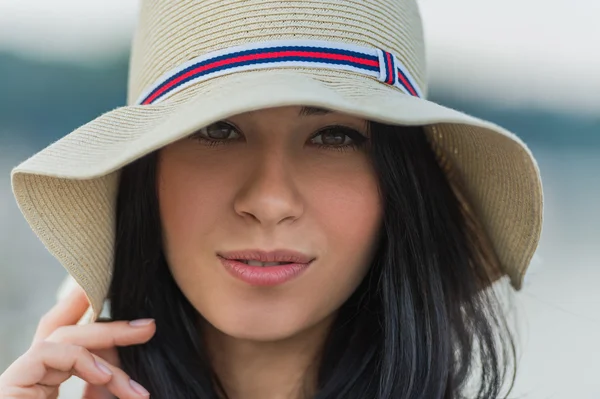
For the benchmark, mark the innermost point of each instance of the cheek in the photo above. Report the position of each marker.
(179, 197)
(191, 201)
(347, 209)
(349, 212)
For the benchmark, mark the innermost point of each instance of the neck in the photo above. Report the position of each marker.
(284, 369)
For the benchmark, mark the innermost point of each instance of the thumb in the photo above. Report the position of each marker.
(111, 355)
(96, 392)
(99, 391)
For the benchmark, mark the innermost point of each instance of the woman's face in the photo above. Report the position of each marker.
(275, 180)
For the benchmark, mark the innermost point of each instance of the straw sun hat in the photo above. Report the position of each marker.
(194, 62)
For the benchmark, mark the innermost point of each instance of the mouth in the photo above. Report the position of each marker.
(261, 268)
(261, 264)
(257, 257)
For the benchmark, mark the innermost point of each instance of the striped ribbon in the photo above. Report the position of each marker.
(373, 62)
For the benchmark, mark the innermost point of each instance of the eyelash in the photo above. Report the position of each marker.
(358, 139)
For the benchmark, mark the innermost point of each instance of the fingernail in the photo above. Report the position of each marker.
(138, 388)
(141, 322)
(103, 368)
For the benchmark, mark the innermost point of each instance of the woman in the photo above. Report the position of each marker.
(284, 215)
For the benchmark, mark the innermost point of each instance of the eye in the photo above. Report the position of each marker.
(338, 137)
(218, 131)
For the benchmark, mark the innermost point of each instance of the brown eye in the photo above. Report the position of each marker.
(333, 137)
(338, 136)
(217, 131)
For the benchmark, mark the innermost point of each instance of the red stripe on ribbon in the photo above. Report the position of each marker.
(407, 85)
(388, 58)
(253, 57)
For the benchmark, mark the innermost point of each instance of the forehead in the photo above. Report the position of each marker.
(294, 111)
(298, 115)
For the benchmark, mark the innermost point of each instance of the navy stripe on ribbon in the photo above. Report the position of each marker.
(318, 52)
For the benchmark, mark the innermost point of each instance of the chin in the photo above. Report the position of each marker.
(265, 328)
(258, 334)
(261, 324)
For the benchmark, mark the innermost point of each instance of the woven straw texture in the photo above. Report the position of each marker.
(67, 192)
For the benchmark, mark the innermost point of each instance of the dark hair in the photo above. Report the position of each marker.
(418, 325)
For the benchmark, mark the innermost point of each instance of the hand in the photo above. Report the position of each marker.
(61, 349)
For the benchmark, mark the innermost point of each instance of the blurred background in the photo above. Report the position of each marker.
(528, 65)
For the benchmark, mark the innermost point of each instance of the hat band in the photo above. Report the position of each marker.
(373, 62)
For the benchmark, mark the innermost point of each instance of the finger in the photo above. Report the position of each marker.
(96, 392)
(104, 335)
(33, 366)
(55, 377)
(65, 312)
(111, 355)
(120, 386)
(35, 370)
(91, 391)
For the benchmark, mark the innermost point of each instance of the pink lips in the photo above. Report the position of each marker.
(265, 275)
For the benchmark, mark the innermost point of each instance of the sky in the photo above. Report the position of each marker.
(536, 52)
(540, 53)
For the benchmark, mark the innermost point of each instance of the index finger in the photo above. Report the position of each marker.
(65, 312)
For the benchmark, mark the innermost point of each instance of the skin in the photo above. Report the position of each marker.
(266, 184)
(61, 349)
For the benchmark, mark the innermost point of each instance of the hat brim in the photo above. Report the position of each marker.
(67, 192)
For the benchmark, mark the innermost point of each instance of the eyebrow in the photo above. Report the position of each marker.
(308, 111)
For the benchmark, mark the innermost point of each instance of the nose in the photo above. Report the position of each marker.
(269, 195)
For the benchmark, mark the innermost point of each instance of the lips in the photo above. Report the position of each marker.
(261, 268)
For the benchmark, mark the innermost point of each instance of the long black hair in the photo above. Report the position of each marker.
(420, 323)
